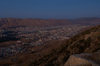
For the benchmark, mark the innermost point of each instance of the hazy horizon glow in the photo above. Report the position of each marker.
(49, 8)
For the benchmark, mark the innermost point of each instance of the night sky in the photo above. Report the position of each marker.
(49, 8)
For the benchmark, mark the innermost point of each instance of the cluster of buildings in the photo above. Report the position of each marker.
(28, 40)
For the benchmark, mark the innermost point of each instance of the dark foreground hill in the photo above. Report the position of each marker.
(56, 53)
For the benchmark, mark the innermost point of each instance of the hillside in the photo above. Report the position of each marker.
(85, 42)
(51, 55)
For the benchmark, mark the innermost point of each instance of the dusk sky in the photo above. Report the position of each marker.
(49, 8)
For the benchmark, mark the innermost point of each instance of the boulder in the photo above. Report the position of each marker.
(84, 59)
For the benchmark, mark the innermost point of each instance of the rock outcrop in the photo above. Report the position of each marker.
(84, 59)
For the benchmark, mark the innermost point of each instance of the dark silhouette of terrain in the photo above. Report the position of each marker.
(8, 36)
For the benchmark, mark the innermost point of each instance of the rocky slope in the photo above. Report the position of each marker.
(84, 59)
(85, 42)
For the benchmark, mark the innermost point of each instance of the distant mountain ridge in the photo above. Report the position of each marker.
(87, 21)
(10, 22)
(16, 22)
